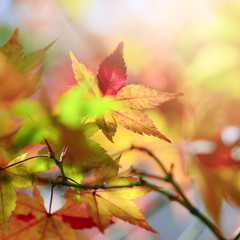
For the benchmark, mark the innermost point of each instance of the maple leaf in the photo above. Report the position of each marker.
(137, 122)
(108, 125)
(13, 50)
(111, 77)
(11, 175)
(36, 122)
(221, 156)
(140, 97)
(19, 74)
(112, 72)
(107, 172)
(11, 83)
(82, 149)
(83, 75)
(215, 185)
(30, 220)
(216, 175)
(103, 204)
(83, 153)
(74, 106)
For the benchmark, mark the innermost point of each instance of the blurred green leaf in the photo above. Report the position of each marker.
(73, 172)
(35, 125)
(74, 107)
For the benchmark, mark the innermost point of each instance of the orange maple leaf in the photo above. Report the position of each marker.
(216, 175)
(30, 220)
(129, 100)
(19, 74)
(103, 204)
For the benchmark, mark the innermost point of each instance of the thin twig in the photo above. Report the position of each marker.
(183, 201)
(168, 178)
(16, 163)
(77, 185)
(237, 236)
(157, 160)
(145, 174)
(121, 152)
(60, 166)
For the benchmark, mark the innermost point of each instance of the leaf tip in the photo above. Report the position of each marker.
(120, 46)
(169, 141)
(73, 58)
(15, 33)
(14, 37)
(51, 152)
(161, 136)
(71, 55)
(51, 44)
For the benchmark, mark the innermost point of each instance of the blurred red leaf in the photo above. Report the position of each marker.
(216, 175)
(221, 156)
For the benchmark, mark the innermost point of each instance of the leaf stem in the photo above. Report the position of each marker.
(145, 174)
(16, 163)
(59, 162)
(51, 198)
(73, 180)
(84, 120)
(121, 152)
(60, 166)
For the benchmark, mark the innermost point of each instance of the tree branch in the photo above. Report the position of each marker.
(180, 198)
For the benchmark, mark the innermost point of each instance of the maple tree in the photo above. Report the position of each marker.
(95, 192)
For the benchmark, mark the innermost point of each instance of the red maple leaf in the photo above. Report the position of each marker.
(112, 72)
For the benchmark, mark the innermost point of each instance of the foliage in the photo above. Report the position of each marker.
(95, 192)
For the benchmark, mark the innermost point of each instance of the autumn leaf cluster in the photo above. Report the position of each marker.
(45, 144)
(62, 136)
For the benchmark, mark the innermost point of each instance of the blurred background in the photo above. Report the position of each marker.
(188, 46)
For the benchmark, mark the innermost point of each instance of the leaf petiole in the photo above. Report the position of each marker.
(51, 198)
(16, 163)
